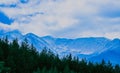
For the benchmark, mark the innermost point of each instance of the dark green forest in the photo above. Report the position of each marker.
(24, 58)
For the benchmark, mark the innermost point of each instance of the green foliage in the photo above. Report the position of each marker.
(24, 58)
(3, 69)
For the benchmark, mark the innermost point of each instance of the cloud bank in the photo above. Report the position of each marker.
(63, 18)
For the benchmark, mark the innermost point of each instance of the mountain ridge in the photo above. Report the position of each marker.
(91, 48)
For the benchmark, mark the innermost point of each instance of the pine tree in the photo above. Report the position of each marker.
(15, 58)
(117, 69)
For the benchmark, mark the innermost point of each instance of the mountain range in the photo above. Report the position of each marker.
(92, 48)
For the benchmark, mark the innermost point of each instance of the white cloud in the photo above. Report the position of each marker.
(8, 1)
(63, 18)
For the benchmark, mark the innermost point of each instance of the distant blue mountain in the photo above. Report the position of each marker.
(91, 48)
(112, 54)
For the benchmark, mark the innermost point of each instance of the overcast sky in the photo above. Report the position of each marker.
(62, 18)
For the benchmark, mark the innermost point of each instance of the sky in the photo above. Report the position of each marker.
(62, 18)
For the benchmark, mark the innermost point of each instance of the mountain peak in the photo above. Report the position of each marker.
(31, 35)
(116, 40)
(15, 32)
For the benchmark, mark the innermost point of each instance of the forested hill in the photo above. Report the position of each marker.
(24, 58)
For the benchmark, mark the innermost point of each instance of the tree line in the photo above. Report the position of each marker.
(23, 58)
